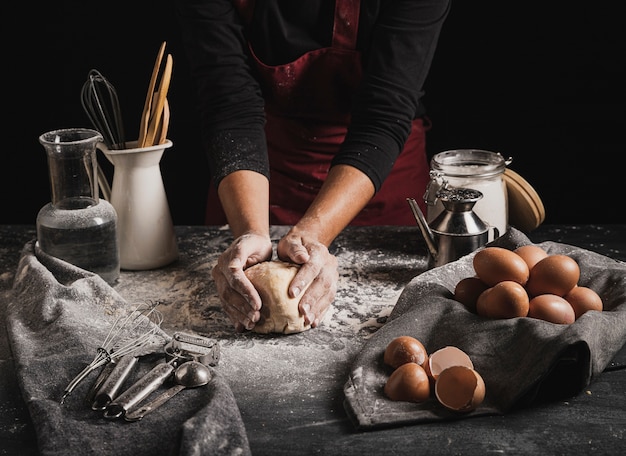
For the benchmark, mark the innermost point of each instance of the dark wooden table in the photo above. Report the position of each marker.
(290, 388)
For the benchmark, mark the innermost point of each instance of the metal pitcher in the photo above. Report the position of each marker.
(455, 232)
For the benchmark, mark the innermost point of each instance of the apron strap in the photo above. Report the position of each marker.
(346, 24)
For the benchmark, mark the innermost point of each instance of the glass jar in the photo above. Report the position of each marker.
(76, 225)
(476, 169)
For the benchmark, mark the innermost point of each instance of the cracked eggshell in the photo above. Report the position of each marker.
(460, 388)
(444, 358)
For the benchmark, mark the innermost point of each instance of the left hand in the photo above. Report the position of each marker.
(319, 268)
(239, 298)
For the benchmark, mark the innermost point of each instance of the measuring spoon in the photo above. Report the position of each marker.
(139, 390)
(189, 374)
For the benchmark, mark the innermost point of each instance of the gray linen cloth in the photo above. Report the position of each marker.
(522, 360)
(58, 317)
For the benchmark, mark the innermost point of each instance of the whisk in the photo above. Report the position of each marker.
(128, 334)
(100, 102)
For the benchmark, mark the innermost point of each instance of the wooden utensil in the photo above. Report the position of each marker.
(149, 110)
(161, 132)
(156, 111)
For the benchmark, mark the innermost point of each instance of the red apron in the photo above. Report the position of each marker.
(307, 104)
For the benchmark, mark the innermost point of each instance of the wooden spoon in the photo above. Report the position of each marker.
(161, 133)
(147, 107)
(157, 107)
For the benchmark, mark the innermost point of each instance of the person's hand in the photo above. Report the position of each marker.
(319, 268)
(239, 298)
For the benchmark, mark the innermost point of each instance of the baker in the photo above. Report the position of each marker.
(311, 116)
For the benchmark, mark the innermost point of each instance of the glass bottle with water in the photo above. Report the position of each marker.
(77, 226)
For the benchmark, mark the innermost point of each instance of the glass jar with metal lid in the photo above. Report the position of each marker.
(476, 169)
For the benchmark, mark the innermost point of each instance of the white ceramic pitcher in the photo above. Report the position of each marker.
(146, 233)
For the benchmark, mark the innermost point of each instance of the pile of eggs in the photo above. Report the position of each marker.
(526, 282)
(449, 372)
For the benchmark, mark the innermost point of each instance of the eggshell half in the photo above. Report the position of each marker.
(460, 388)
(444, 358)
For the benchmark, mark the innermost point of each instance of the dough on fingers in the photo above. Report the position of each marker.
(279, 313)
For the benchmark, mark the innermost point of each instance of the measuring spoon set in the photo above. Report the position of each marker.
(189, 359)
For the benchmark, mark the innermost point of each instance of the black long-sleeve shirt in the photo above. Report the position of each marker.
(397, 39)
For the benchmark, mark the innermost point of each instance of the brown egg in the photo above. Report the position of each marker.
(551, 308)
(404, 349)
(497, 264)
(467, 291)
(408, 382)
(506, 299)
(583, 299)
(426, 367)
(531, 254)
(444, 358)
(460, 388)
(555, 274)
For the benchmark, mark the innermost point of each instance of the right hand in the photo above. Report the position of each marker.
(319, 269)
(239, 298)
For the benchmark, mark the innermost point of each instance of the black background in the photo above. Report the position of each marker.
(541, 82)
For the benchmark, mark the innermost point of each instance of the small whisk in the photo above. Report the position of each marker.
(100, 102)
(129, 334)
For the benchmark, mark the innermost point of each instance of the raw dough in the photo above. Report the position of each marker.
(279, 313)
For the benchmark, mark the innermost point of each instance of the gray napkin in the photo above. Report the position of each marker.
(58, 317)
(522, 360)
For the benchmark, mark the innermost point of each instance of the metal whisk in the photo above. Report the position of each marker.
(129, 334)
(100, 102)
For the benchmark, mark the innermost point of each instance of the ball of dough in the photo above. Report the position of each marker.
(279, 313)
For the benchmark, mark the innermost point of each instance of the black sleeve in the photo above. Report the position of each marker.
(228, 96)
(401, 46)
(397, 39)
